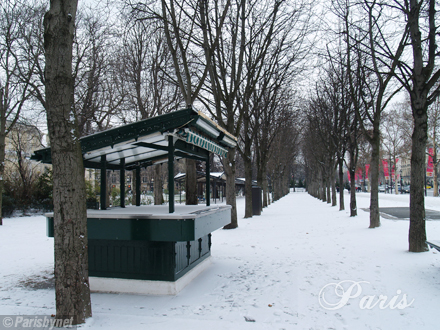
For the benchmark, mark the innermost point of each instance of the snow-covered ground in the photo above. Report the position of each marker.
(270, 273)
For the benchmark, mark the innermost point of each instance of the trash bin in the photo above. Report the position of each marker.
(256, 200)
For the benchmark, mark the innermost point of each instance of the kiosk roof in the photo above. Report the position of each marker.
(146, 142)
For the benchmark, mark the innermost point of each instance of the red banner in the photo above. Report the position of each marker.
(367, 170)
(386, 171)
(430, 166)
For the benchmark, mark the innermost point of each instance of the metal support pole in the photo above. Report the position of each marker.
(103, 182)
(138, 185)
(122, 182)
(171, 173)
(208, 182)
(214, 190)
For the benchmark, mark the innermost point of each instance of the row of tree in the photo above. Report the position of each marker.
(379, 49)
(139, 64)
(87, 70)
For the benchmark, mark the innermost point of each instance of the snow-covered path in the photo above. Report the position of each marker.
(266, 274)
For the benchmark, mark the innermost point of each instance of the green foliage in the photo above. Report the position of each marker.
(90, 192)
(115, 197)
(116, 192)
(44, 189)
(8, 205)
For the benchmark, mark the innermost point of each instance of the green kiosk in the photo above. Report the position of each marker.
(150, 249)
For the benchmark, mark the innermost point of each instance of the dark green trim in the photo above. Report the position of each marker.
(191, 149)
(50, 231)
(151, 146)
(184, 155)
(167, 230)
(97, 166)
(141, 128)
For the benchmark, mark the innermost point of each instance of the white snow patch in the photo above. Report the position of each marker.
(266, 274)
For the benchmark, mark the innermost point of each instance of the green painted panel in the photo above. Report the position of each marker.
(166, 230)
(49, 227)
(146, 260)
(211, 222)
(132, 259)
(169, 230)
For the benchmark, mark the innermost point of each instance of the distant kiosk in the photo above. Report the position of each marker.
(150, 249)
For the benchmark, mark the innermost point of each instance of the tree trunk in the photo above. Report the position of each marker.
(417, 230)
(341, 184)
(3, 106)
(229, 166)
(286, 181)
(72, 290)
(262, 182)
(353, 206)
(2, 167)
(322, 188)
(374, 183)
(246, 154)
(248, 187)
(333, 184)
(328, 184)
(435, 161)
(266, 200)
(157, 185)
(191, 182)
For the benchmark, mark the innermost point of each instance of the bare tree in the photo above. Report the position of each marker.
(393, 139)
(315, 156)
(145, 71)
(321, 118)
(276, 106)
(259, 40)
(375, 60)
(225, 79)
(72, 291)
(21, 172)
(283, 153)
(434, 126)
(185, 28)
(274, 51)
(419, 75)
(337, 92)
(97, 95)
(15, 73)
(340, 117)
